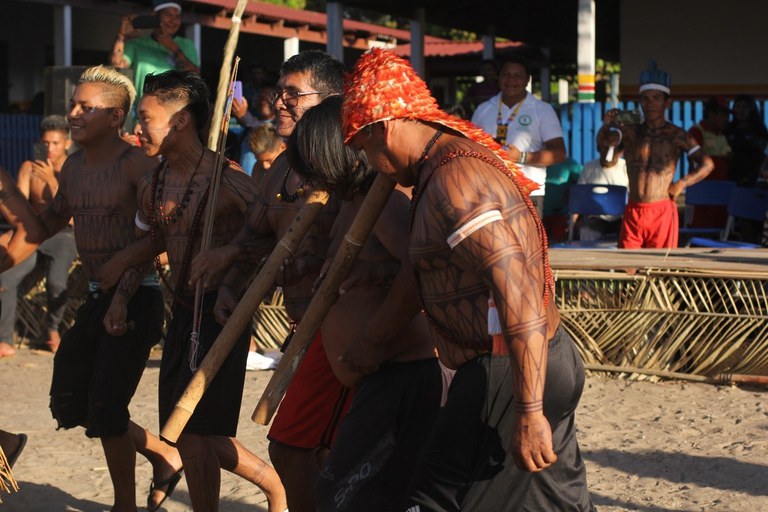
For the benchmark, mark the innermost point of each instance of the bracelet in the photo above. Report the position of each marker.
(523, 157)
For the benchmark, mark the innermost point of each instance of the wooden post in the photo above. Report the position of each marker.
(324, 298)
(242, 316)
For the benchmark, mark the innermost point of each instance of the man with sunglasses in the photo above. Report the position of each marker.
(102, 357)
(309, 414)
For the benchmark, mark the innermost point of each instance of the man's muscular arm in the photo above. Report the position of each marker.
(552, 153)
(27, 228)
(496, 239)
(613, 132)
(701, 165)
(115, 318)
(254, 240)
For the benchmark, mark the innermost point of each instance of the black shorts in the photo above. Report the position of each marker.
(373, 456)
(95, 374)
(218, 411)
(466, 465)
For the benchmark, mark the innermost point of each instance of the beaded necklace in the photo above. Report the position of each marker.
(284, 196)
(503, 126)
(420, 165)
(158, 185)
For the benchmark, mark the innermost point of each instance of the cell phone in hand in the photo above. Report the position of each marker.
(629, 117)
(145, 22)
(40, 151)
(237, 90)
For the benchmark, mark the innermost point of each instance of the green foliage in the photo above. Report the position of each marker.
(295, 4)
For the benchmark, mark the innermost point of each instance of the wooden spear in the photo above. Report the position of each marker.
(324, 298)
(224, 74)
(242, 316)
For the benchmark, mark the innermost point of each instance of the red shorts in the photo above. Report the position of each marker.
(314, 404)
(649, 225)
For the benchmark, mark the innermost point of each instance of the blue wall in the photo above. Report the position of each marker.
(581, 121)
(18, 132)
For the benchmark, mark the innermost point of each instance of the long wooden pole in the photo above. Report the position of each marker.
(224, 73)
(324, 298)
(720, 378)
(242, 316)
(210, 211)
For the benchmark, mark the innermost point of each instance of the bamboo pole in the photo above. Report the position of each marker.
(647, 371)
(241, 316)
(213, 196)
(323, 298)
(720, 378)
(742, 379)
(226, 66)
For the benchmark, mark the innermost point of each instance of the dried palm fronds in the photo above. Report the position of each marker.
(668, 320)
(7, 482)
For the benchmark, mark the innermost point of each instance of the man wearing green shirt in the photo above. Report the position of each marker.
(159, 51)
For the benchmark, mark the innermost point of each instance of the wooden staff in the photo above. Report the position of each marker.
(224, 72)
(742, 379)
(210, 217)
(242, 316)
(324, 298)
(720, 378)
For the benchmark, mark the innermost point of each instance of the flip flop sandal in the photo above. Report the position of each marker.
(170, 482)
(15, 455)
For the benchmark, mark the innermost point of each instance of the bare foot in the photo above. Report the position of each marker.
(6, 349)
(53, 341)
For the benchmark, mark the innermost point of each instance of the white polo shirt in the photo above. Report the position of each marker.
(534, 124)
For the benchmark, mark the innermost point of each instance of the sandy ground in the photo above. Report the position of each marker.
(651, 447)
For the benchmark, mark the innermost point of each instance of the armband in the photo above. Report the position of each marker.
(473, 225)
(141, 225)
(694, 149)
(614, 129)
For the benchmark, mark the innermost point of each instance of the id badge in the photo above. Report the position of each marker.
(501, 133)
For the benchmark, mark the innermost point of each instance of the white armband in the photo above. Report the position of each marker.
(694, 149)
(141, 225)
(617, 130)
(473, 225)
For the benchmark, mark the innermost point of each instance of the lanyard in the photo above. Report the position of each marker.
(501, 127)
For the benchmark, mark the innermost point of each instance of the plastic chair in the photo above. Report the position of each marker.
(593, 199)
(744, 203)
(705, 193)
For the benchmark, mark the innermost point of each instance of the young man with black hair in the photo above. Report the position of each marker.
(306, 422)
(102, 356)
(652, 149)
(172, 115)
(398, 382)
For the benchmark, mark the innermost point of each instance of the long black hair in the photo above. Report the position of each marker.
(316, 151)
